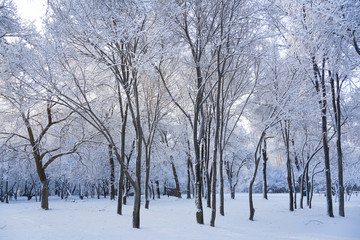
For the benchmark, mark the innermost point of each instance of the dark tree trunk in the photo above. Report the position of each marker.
(157, 189)
(152, 190)
(44, 194)
(321, 89)
(307, 181)
(176, 178)
(120, 191)
(216, 142)
(302, 182)
(7, 191)
(337, 113)
(188, 189)
(265, 159)
(257, 161)
(221, 179)
(208, 188)
(147, 175)
(286, 138)
(294, 187)
(208, 175)
(112, 174)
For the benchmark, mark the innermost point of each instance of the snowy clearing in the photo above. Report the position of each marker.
(172, 218)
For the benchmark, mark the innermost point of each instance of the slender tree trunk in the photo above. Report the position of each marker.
(302, 182)
(152, 190)
(176, 178)
(147, 176)
(257, 161)
(251, 204)
(188, 189)
(221, 179)
(112, 174)
(286, 137)
(7, 191)
(120, 191)
(265, 159)
(321, 89)
(294, 187)
(307, 181)
(208, 187)
(157, 189)
(216, 142)
(337, 113)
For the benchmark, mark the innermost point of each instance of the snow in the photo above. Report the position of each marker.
(172, 218)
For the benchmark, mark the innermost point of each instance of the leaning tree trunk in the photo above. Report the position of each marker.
(175, 178)
(257, 160)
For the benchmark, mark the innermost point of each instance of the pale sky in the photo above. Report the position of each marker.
(31, 10)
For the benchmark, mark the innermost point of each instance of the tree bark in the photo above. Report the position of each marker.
(265, 159)
(7, 191)
(286, 138)
(112, 174)
(176, 178)
(188, 189)
(44, 194)
(256, 160)
(157, 189)
(321, 89)
(147, 175)
(337, 112)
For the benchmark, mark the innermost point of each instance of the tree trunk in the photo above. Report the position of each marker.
(216, 142)
(286, 137)
(337, 113)
(120, 191)
(264, 156)
(321, 89)
(175, 178)
(147, 176)
(302, 182)
(157, 189)
(112, 174)
(7, 191)
(251, 204)
(221, 179)
(294, 187)
(44, 194)
(152, 190)
(208, 187)
(307, 180)
(188, 190)
(137, 203)
(256, 160)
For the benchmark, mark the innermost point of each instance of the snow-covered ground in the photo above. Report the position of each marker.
(171, 218)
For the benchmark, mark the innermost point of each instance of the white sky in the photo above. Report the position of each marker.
(31, 10)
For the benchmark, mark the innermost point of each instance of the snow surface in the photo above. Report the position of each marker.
(172, 218)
